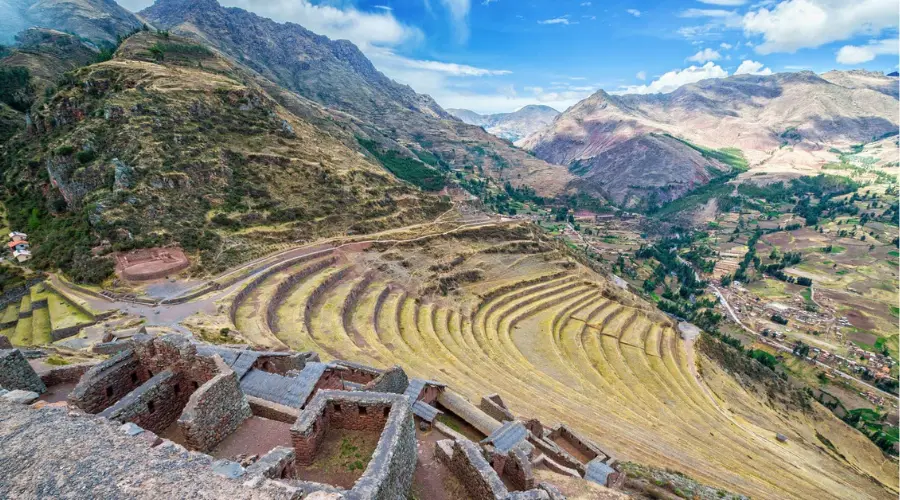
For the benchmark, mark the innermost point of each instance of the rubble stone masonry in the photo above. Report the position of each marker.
(16, 373)
(214, 411)
(390, 471)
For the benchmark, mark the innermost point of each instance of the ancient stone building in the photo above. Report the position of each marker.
(163, 380)
(390, 470)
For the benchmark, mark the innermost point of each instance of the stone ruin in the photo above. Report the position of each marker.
(163, 381)
(151, 263)
(171, 392)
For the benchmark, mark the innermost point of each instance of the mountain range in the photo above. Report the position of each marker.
(336, 75)
(631, 148)
(510, 126)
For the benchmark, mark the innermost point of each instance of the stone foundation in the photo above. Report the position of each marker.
(17, 374)
(494, 406)
(65, 374)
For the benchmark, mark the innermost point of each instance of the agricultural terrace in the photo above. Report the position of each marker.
(501, 309)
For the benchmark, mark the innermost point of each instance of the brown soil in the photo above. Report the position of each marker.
(342, 458)
(433, 480)
(570, 448)
(57, 392)
(256, 436)
(861, 321)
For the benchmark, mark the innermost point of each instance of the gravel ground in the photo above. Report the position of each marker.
(47, 453)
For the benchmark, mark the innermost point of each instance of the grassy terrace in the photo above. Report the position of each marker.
(557, 349)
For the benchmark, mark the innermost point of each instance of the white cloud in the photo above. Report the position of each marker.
(641, 75)
(634, 12)
(675, 79)
(705, 13)
(705, 55)
(449, 68)
(487, 3)
(589, 18)
(585, 4)
(365, 29)
(749, 67)
(564, 20)
(459, 16)
(796, 24)
(857, 54)
(727, 3)
(725, 46)
(383, 7)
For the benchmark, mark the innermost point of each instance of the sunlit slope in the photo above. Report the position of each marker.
(558, 345)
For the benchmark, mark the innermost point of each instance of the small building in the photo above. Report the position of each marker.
(19, 246)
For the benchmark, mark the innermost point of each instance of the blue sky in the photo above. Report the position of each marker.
(499, 55)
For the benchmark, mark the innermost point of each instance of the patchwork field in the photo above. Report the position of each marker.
(499, 310)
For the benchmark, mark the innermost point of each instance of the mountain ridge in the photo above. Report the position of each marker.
(756, 114)
(511, 126)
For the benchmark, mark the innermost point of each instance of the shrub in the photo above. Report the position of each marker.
(64, 150)
(15, 88)
(85, 157)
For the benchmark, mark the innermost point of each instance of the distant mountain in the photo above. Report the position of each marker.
(95, 20)
(510, 126)
(756, 114)
(860, 79)
(334, 73)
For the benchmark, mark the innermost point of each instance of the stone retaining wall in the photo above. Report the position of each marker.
(17, 374)
(318, 293)
(254, 284)
(215, 410)
(285, 287)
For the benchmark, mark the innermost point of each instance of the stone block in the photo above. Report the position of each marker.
(16, 373)
(21, 397)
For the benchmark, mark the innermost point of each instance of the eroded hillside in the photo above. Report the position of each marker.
(163, 144)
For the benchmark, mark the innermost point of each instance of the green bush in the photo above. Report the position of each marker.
(85, 157)
(408, 169)
(64, 151)
(15, 88)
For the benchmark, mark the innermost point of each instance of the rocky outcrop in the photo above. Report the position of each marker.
(95, 20)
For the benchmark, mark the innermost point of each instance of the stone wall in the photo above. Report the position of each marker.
(16, 373)
(280, 363)
(276, 464)
(154, 406)
(214, 410)
(394, 381)
(491, 406)
(107, 382)
(287, 286)
(272, 411)
(517, 470)
(65, 374)
(5, 343)
(474, 472)
(390, 471)
(578, 442)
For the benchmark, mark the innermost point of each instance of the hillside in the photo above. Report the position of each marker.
(510, 126)
(95, 20)
(337, 75)
(164, 144)
(756, 114)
